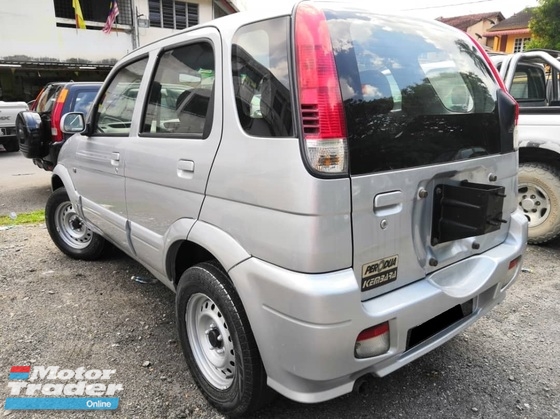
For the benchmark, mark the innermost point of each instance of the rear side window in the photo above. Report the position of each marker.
(528, 85)
(261, 78)
(47, 98)
(415, 93)
(181, 93)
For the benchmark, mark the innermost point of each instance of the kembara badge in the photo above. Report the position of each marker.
(54, 388)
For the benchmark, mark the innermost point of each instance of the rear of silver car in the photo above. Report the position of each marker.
(409, 118)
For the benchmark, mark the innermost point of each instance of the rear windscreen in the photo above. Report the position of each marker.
(47, 98)
(415, 93)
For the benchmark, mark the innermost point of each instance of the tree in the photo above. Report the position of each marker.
(545, 25)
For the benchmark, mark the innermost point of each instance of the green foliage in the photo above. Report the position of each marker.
(545, 25)
(27, 218)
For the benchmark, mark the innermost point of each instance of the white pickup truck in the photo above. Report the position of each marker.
(528, 76)
(8, 113)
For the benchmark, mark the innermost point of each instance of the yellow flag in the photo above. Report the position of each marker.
(80, 23)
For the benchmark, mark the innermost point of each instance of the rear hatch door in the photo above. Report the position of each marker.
(432, 171)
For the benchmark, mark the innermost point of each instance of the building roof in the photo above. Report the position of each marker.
(466, 21)
(517, 21)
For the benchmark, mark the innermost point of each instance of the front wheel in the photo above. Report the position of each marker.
(68, 231)
(539, 199)
(218, 343)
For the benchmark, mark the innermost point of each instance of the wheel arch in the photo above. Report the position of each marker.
(200, 242)
(545, 152)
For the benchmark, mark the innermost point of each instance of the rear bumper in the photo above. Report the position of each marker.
(306, 325)
(49, 161)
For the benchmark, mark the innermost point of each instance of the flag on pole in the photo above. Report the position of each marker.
(113, 13)
(80, 23)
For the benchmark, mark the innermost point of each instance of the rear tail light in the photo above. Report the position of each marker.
(499, 81)
(321, 108)
(57, 115)
(373, 341)
(503, 87)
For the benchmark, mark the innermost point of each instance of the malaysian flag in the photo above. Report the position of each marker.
(114, 12)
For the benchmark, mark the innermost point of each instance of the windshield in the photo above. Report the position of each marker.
(415, 93)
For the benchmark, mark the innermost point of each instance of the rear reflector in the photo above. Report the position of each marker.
(373, 341)
(320, 100)
(513, 264)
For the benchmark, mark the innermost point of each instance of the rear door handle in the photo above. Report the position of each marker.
(388, 203)
(185, 169)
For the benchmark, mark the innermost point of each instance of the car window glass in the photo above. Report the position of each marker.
(431, 100)
(528, 85)
(261, 78)
(181, 92)
(83, 100)
(114, 112)
(47, 98)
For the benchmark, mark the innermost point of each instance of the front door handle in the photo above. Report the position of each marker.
(115, 158)
(185, 165)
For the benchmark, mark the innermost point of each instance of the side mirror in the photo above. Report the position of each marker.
(72, 122)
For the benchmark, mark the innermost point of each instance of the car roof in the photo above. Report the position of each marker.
(75, 83)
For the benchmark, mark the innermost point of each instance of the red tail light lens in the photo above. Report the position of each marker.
(502, 86)
(321, 108)
(495, 73)
(373, 341)
(56, 116)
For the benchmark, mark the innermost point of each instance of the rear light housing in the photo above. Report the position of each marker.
(373, 341)
(56, 116)
(321, 108)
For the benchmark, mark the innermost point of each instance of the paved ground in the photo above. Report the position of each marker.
(24, 187)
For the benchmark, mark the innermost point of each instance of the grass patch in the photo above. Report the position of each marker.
(26, 218)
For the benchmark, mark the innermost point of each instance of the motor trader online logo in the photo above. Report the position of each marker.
(53, 388)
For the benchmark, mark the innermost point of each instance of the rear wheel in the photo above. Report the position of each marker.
(12, 146)
(539, 199)
(218, 343)
(68, 231)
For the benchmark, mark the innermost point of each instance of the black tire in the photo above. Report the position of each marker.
(539, 199)
(12, 146)
(233, 381)
(68, 231)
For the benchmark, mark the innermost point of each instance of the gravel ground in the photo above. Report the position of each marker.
(57, 311)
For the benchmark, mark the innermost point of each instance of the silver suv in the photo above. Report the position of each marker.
(330, 192)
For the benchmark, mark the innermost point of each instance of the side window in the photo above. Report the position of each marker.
(181, 93)
(46, 100)
(519, 88)
(83, 100)
(114, 112)
(261, 78)
(529, 85)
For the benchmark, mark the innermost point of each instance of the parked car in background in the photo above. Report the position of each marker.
(38, 130)
(326, 201)
(529, 78)
(8, 114)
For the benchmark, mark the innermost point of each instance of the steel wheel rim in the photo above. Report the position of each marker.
(71, 228)
(534, 202)
(210, 341)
